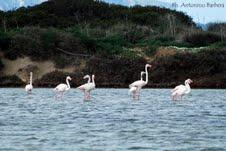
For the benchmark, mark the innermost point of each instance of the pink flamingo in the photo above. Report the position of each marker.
(61, 88)
(181, 90)
(132, 89)
(88, 87)
(29, 87)
(137, 85)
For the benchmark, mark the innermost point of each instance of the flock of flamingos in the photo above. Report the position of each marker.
(134, 88)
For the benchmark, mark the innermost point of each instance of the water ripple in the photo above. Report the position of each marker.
(112, 121)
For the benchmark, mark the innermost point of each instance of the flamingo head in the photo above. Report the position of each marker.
(86, 77)
(142, 72)
(188, 81)
(68, 78)
(148, 65)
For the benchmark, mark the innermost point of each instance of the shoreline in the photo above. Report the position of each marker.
(117, 87)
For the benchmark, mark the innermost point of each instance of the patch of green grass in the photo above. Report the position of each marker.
(218, 45)
(128, 54)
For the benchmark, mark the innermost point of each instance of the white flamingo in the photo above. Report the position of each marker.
(140, 83)
(181, 90)
(61, 88)
(132, 89)
(88, 87)
(29, 87)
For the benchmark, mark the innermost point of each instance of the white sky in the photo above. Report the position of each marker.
(203, 14)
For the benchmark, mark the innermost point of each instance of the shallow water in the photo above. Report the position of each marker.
(112, 121)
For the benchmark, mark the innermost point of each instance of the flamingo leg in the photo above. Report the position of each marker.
(57, 95)
(61, 95)
(29, 92)
(134, 95)
(174, 97)
(89, 95)
(85, 95)
(138, 93)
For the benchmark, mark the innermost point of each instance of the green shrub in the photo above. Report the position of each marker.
(42, 44)
(133, 33)
(87, 41)
(7, 81)
(1, 65)
(165, 39)
(5, 40)
(115, 71)
(202, 39)
(184, 65)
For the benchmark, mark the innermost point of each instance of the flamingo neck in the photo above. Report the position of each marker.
(93, 80)
(188, 87)
(146, 71)
(89, 79)
(31, 79)
(68, 84)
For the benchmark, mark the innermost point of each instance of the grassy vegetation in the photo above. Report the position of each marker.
(85, 27)
(95, 28)
(205, 63)
(202, 39)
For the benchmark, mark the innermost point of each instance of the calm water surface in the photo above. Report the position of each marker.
(112, 121)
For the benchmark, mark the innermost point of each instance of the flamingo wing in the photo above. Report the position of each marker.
(61, 87)
(84, 87)
(176, 88)
(138, 83)
(179, 90)
(90, 86)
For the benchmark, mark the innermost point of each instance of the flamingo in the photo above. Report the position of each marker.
(132, 90)
(29, 87)
(61, 88)
(181, 90)
(88, 87)
(140, 83)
